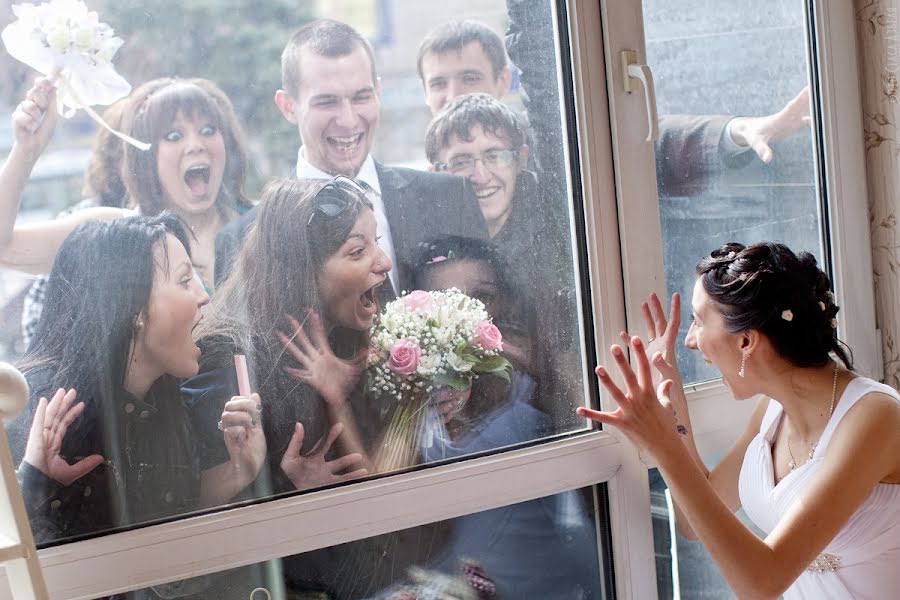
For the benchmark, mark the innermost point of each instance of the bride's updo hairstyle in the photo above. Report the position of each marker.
(787, 297)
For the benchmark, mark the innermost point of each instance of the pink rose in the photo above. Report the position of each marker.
(488, 336)
(404, 358)
(417, 300)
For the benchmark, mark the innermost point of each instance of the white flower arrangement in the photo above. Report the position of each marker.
(66, 42)
(424, 342)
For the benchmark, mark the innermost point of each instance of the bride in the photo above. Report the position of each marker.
(818, 466)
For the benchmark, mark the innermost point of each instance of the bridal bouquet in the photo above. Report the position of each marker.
(66, 42)
(425, 343)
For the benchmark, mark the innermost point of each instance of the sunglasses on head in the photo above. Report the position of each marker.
(334, 197)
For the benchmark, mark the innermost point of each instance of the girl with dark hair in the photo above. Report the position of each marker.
(311, 253)
(120, 334)
(818, 466)
(194, 168)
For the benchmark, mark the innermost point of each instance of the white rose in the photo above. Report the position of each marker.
(58, 40)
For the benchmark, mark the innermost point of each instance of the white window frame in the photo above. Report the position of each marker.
(716, 418)
(221, 540)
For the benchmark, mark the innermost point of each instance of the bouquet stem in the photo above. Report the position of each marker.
(400, 445)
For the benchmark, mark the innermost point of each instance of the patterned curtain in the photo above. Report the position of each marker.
(878, 32)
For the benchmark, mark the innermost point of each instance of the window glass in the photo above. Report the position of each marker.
(543, 548)
(313, 190)
(736, 159)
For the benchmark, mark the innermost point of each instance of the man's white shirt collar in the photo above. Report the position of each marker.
(367, 173)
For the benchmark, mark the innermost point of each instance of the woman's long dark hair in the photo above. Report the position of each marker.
(100, 281)
(275, 275)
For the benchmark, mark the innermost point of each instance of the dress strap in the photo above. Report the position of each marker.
(856, 389)
(770, 420)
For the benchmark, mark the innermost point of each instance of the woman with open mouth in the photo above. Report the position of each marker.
(113, 446)
(194, 169)
(299, 304)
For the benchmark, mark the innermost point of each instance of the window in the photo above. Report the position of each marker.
(562, 208)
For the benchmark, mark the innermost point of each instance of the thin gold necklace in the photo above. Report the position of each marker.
(812, 448)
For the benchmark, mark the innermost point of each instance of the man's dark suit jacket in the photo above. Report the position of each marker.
(419, 205)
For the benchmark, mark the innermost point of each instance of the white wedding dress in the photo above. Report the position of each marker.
(863, 559)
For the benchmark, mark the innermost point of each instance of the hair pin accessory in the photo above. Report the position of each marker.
(731, 255)
(787, 315)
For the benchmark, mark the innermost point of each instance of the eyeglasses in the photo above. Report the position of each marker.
(464, 164)
(335, 196)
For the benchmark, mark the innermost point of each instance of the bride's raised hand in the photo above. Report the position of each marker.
(49, 427)
(662, 332)
(644, 414)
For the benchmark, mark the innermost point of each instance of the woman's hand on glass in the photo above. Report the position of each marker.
(34, 119)
(241, 426)
(313, 470)
(332, 377)
(51, 421)
(644, 414)
(662, 332)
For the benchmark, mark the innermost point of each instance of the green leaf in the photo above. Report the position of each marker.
(492, 364)
(454, 380)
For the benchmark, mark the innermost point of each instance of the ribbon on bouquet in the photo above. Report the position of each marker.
(63, 85)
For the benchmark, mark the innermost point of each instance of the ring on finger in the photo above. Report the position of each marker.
(219, 426)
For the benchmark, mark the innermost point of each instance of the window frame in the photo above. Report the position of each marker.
(619, 199)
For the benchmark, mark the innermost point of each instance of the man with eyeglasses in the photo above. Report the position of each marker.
(330, 93)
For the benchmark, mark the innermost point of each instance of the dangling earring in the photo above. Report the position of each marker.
(743, 362)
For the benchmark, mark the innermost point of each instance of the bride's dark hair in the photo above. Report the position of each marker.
(786, 296)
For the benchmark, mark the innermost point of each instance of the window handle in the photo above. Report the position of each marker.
(633, 72)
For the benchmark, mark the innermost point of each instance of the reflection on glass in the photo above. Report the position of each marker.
(735, 160)
(380, 206)
(544, 548)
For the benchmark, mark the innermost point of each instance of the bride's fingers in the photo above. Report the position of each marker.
(675, 312)
(297, 374)
(625, 337)
(644, 376)
(662, 393)
(625, 370)
(607, 418)
(648, 320)
(666, 369)
(617, 394)
(298, 335)
(659, 317)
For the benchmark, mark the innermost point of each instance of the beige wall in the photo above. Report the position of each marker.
(879, 42)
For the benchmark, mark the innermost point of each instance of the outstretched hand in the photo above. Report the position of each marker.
(332, 377)
(313, 470)
(644, 414)
(34, 119)
(662, 333)
(760, 132)
(51, 421)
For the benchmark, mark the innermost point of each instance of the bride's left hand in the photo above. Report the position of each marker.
(644, 414)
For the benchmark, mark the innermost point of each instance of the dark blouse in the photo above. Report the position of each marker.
(149, 471)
